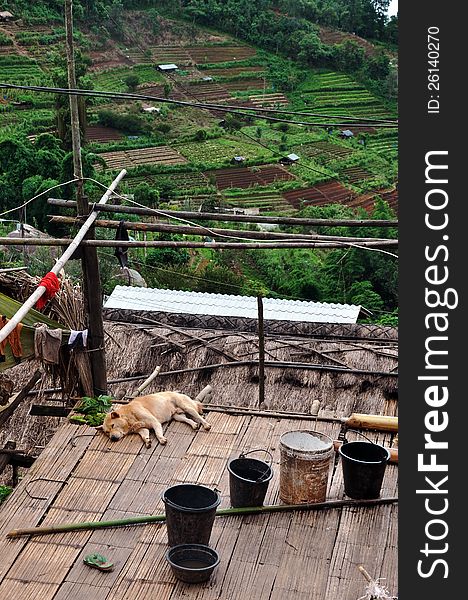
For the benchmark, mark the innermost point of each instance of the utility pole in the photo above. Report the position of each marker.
(91, 280)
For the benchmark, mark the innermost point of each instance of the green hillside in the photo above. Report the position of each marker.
(294, 57)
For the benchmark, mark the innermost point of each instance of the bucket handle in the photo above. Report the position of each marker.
(244, 454)
(360, 433)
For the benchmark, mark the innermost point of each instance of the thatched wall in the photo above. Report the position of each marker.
(342, 330)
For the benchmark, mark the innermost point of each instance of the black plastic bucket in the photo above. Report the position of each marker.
(190, 513)
(364, 466)
(192, 563)
(248, 480)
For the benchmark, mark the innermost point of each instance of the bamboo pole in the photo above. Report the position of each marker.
(198, 230)
(6, 241)
(204, 216)
(254, 510)
(31, 301)
(378, 422)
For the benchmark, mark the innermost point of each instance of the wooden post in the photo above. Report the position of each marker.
(261, 354)
(89, 262)
(5, 458)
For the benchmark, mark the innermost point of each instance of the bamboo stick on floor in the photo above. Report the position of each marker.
(64, 527)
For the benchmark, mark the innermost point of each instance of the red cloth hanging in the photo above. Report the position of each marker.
(52, 285)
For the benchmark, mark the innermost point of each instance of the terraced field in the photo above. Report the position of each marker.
(331, 192)
(367, 201)
(265, 201)
(206, 91)
(217, 54)
(334, 36)
(98, 133)
(220, 150)
(22, 70)
(329, 80)
(234, 71)
(384, 144)
(355, 174)
(126, 159)
(114, 80)
(182, 182)
(245, 177)
(325, 151)
(187, 55)
(261, 100)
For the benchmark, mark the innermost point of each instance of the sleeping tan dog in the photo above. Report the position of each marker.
(149, 412)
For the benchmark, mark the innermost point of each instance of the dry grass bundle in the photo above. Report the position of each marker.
(374, 589)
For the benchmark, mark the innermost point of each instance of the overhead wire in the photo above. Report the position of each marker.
(220, 108)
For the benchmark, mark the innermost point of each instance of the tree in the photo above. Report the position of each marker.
(132, 82)
(362, 293)
(348, 56)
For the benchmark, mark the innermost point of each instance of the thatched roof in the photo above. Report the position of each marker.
(344, 375)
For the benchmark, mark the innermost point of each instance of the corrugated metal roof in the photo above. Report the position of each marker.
(199, 303)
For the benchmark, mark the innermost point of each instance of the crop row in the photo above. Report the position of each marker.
(356, 174)
(324, 151)
(114, 80)
(123, 159)
(184, 55)
(218, 151)
(321, 194)
(244, 177)
(180, 182)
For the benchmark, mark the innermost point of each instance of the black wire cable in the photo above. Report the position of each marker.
(217, 107)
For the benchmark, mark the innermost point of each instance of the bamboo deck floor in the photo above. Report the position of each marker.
(82, 476)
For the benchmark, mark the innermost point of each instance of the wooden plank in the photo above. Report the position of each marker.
(141, 496)
(86, 494)
(105, 466)
(81, 591)
(43, 563)
(20, 510)
(123, 537)
(11, 588)
(361, 539)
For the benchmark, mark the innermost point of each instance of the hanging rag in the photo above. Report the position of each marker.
(78, 339)
(52, 286)
(47, 344)
(14, 339)
(120, 252)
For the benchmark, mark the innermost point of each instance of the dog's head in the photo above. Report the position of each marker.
(115, 426)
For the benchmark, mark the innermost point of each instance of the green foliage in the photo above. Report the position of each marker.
(362, 293)
(5, 40)
(5, 491)
(92, 411)
(132, 82)
(348, 56)
(89, 405)
(167, 256)
(201, 135)
(130, 123)
(147, 195)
